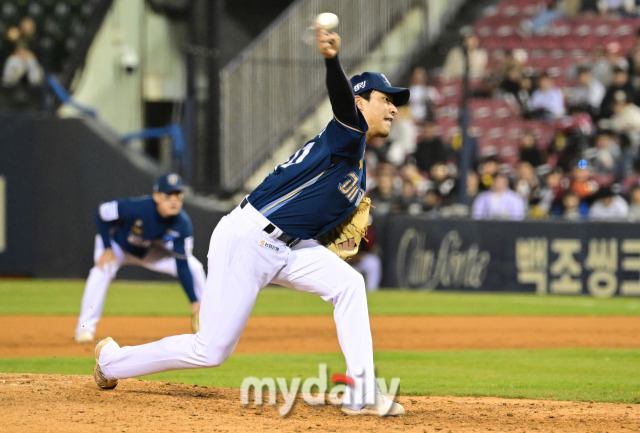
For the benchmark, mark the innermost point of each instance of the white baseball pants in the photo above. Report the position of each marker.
(243, 259)
(95, 291)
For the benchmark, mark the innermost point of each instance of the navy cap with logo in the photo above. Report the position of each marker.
(169, 183)
(377, 81)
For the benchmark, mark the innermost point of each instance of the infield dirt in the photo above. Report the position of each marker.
(57, 403)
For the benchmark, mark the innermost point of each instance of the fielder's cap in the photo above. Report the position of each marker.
(169, 183)
(376, 81)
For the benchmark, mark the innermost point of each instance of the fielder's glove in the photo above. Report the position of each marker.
(354, 227)
(195, 322)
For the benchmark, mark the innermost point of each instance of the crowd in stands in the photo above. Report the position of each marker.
(555, 127)
(22, 73)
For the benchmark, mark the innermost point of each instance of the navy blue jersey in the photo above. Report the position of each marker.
(136, 225)
(319, 185)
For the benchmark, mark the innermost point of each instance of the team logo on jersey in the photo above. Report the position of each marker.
(351, 188)
(267, 245)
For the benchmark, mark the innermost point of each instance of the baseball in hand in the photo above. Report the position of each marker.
(327, 21)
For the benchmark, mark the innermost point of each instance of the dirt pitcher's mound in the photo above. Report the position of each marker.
(56, 403)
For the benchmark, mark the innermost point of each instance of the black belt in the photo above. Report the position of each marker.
(289, 240)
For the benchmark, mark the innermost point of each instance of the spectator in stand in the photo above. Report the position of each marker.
(620, 83)
(624, 8)
(513, 64)
(383, 194)
(527, 184)
(551, 193)
(582, 184)
(573, 208)
(609, 206)
(423, 96)
(605, 157)
(500, 202)
(487, 170)
(634, 203)
(600, 66)
(529, 150)
(443, 182)
(377, 153)
(408, 201)
(587, 93)
(625, 118)
(454, 62)
(402, 139)
(633, 58)
(554, 10)
(547, 101)
(430, 149)
(22, 67)
(431, 203)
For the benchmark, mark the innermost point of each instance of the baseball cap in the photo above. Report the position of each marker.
(376, 81)
(169, 183)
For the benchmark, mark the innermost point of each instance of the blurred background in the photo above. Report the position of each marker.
(513, 168)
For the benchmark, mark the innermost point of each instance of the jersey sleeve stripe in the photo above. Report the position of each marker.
(276, 204)
(347, 126)
(109, 211)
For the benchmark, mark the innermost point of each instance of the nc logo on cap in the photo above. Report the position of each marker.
(172, 179)
(359, 85)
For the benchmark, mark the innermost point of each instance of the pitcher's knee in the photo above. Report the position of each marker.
(213, 357)
(354, 280)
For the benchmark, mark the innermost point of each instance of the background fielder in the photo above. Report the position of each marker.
(270, 238)
(150, 231)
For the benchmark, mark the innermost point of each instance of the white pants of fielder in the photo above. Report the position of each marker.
(243, 259)
(95, 291)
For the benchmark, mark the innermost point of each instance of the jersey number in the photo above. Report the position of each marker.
(298, 156)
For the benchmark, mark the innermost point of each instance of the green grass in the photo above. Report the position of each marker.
(562, 374)
(62, 297)
(608, 375)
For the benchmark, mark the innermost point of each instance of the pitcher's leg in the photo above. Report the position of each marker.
(231, 290)
(313, 268)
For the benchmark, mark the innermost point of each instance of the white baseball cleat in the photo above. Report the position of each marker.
(98, 376)
(85, 336)
(382, 407)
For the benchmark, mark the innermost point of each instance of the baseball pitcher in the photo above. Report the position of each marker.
(293, 230)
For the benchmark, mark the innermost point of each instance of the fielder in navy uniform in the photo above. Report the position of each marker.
(150, 231)
(270, 238)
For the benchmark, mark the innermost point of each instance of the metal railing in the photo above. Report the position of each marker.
(279, 79)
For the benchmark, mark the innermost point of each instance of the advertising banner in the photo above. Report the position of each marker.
(555, 257)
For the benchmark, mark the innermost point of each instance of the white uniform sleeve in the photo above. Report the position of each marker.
(109, 211)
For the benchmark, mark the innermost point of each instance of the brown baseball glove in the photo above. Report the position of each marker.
(353, 228)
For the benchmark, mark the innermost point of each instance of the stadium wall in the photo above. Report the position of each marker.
(544, 257)
(55, 173)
